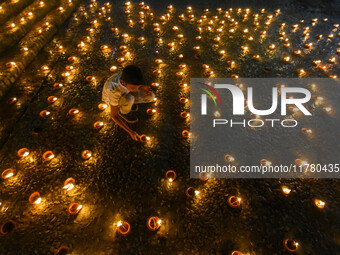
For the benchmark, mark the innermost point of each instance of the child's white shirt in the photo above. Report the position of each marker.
(113, 90)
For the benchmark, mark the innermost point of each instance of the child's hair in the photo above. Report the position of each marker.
(132, 75)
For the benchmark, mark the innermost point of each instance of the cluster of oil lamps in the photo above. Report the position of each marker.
(12, 26)
(204, 24)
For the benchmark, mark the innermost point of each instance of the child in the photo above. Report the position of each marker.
(121, 91)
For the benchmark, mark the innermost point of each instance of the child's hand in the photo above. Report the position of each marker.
(134, 135)
(146, 89)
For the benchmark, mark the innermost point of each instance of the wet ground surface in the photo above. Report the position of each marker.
(124, 180)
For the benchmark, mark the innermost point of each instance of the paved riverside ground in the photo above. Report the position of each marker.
(125, 180)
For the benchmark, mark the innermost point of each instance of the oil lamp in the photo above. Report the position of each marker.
(290, 245)
(11, 64)
(332, 60)
(170, 175)
(69, 184)
(204, 176)
(265, 162)
(286, 190)
(217, 39)
(236, 253)
(73, 112)
(183, 100)
(272, 46)
(234, 202)
(327, 109)
(52, 99)
(113, 68)
(301, 71)
(69, 68)
(217, 114)
(98, 125)
(48, 155)
(8, 227)
(150, 111)
(66, 74)
(44, 113)
(59, 48)
(12, 25)
(74, 208)
(156, 72)
(81, 45)
(158, 40)
(35, 198)
(300, 162)
(308, 45)
(185, 133)
(8, 173)
(123, 228)
(62, 250)
(230, 63)
(90, 78)
(144, 138)
(115, 30)
(228, 158)
(287, 59)
(191, 192)
(184, 115)
(12, 100)
(306, 131)
(86, 154)
(57, 85)
(319, 203)
(153, 223)
(102, 106)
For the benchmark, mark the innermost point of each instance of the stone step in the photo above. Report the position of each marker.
(11, 8)
(13, 64)
(9, 35)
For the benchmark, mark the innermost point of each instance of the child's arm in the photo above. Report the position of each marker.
(146, 89)
(114, 113)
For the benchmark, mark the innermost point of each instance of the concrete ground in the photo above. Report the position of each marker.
(124, 180)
